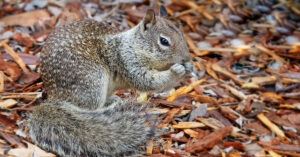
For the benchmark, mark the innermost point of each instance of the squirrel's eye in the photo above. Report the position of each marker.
(164, 41)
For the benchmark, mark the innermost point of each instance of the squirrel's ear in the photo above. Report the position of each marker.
(149, 19)
(163, 11)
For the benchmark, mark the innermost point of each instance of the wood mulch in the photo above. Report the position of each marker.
(242, 98)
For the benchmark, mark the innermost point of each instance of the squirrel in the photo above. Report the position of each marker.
(83, 63)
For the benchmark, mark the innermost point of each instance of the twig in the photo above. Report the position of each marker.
(15, 56)
(216, 67)
(184, 89)
(272, 126)
(1, 81)
(271, 53)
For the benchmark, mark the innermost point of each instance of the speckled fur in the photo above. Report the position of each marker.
(82, 64)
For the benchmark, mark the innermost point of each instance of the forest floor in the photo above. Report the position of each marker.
(242, 99)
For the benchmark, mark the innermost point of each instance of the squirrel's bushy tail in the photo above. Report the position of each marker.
(116, 131)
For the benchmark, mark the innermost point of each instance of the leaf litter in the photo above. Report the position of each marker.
(242, 98)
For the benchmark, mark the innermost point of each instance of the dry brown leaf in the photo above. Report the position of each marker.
(177, 152)
(208, 141)
(27, 58)
(28, 78)
(30, 151)
(10, 69)
(280, 146)
(272, 126)
(191, 133)
(235, 144)
(12, 139)
(7, 121)
(205, 99)
(263, 80)
(209, 70)
(2, 81)
(184, 89)
(24, 19)
(290, 80)
(271, 53)
(211, 122)
(235, 92)
(8, 103)
(256, 127)
(16, 57)
(216, 67)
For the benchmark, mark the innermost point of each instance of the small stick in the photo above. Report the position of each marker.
(1, 81)
(192, 45)
(18, 96)
(262, 25)
(271, 53)
(185, 12)
(216, 67)
(184, 89)
(4, 41)
(219, 49)
(272, 126)
(188, 125)
(15, 56)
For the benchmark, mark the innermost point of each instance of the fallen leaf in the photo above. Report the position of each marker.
(191, 133)
(10, 69)
(31, 150)
(263, 80)
(200, 111)
(209, 141)
(24, 19)
(235, 144)
(28, 78)
(8, 103)
(216, 67)
(257, 128)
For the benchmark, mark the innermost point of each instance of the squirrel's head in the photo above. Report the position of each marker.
(161, 41)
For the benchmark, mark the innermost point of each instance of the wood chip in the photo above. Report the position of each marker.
(149, 148)
(191, 133)
(188, 125)
(8, 103)
(271, 53)
(235, 92)
(24, 19)
(272, 126)
(1, 81)
(209, 141)
(184, 89)
(264, 80)
(16, 57)
(216, 67)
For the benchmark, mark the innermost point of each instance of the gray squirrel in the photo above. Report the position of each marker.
(83, 63)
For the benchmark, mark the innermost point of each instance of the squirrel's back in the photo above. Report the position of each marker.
(70, 59)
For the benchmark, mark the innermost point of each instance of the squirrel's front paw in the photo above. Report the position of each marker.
(178, 69)
(188, 66)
